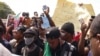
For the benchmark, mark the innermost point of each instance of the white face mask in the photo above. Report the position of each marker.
(63, 34)
(28, 41)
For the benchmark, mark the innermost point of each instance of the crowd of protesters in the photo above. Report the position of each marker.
(39, 36)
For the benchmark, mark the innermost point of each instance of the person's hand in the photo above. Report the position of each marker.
(81, 43)
(83, 29)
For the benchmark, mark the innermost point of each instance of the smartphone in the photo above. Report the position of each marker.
(44, 8)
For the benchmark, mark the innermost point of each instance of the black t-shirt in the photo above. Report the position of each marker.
(57, 51)
(19, 47)
(34, 50)
(69, 50)
(75, 43)
(6, 44)
(39, 43)
(65, 50)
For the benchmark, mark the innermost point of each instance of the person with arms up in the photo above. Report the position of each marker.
(46, 19)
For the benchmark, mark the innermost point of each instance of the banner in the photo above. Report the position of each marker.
(16, 20)
(9, 17)
(67, 11)
(12, 20)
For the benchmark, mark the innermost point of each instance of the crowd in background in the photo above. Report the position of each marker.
(39, 36)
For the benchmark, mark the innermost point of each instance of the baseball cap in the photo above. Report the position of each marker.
(68, 27)
(52, 33)
(31, 31)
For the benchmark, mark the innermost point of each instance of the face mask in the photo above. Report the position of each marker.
(63, 34)
(28, 41)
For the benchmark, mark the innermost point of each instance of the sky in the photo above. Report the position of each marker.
(30, 5)
(36, 5)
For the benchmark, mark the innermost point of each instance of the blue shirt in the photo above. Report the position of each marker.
(90, 53)
(46, 23)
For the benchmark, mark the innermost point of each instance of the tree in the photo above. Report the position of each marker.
(5, 10)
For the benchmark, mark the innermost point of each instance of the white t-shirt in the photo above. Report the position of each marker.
(4, 51)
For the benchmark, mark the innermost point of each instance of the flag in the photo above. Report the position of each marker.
(47, 50)
(8, 17)
(17, 16)
(16, 20)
